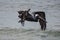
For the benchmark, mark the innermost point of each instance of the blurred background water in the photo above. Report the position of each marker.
(10, 29)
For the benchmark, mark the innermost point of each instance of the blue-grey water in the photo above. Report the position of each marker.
(10, 29)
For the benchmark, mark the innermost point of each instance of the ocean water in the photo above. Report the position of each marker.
(10, 29)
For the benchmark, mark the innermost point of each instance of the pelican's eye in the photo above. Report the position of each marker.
(36, 15)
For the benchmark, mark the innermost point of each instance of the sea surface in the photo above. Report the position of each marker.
(10, 29)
